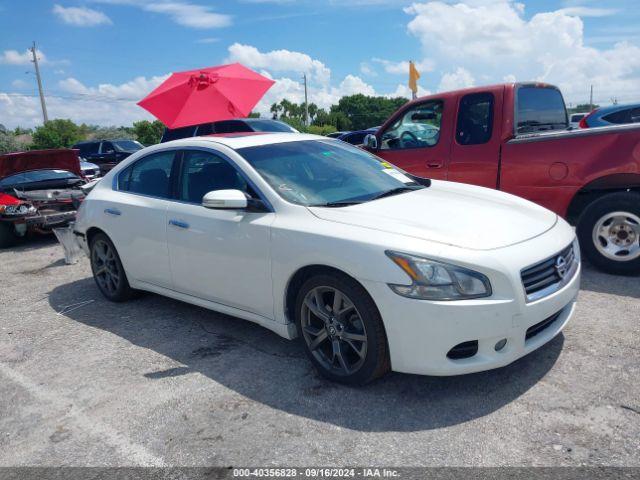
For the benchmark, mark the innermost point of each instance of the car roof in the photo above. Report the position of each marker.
(616, 108)
(247, 139)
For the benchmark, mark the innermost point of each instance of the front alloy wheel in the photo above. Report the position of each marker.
(341, 329)
(333, 330)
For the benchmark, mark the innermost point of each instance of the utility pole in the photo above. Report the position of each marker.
(591, 99)
(42, 102)
(306, 102)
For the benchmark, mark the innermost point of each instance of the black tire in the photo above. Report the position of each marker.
(361, 318)
(108, 271)
(593, 214)
(8, 235)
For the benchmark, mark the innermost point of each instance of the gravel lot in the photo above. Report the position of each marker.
(159, 382)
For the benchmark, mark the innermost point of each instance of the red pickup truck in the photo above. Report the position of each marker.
(516, 138)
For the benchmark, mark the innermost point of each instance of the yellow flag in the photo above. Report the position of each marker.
(414, 76)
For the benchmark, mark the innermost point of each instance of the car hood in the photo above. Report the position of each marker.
(449, 213)
(61, 159)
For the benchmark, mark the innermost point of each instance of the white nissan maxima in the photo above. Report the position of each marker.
(310, 237)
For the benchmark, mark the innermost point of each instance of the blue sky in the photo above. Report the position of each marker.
(99, 56)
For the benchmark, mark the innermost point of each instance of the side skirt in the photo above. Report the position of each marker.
(287, 330)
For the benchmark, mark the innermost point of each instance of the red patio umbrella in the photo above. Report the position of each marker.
(206, 95)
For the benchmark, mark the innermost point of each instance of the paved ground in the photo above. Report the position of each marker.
(159, 382)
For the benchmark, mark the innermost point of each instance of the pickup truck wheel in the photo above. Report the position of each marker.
(341, 329)
(108, 271)
(609, 233)
(8, 235)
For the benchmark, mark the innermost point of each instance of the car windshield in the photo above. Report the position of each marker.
(326, 173)
(270, 126)
(36, 176)
(127, 145)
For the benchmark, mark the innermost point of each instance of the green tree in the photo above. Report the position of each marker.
(583, 107)
(113, 133)
(9, 143)
(58, 133)
(365, 112)
(148, 133)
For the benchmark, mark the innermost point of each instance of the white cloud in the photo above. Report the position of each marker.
(582, 11)
(133, 90)
(461, 78)
(402, 90)
(402, 68)
(280, 61)
(13, 57)
(183, 13)
(104, 104)
(207, 40)
(81, 16)
(492, 39)
(19, 84)
(367, 69)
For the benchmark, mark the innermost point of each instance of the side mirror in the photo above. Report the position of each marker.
(371, 142)
(225, 199)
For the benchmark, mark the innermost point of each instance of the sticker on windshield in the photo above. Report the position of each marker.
(397, 175)
(386, 164)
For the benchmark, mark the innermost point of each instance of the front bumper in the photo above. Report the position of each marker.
(421, 333)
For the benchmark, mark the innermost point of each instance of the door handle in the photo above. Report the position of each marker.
(178, 223)
(112, 211)
(434, 165)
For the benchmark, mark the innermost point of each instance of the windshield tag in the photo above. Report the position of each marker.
(397, 175)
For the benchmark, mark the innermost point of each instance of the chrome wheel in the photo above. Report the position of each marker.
(105, 267)
(333, 330)
(617, 236)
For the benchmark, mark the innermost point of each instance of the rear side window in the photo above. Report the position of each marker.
(635, 115)
(149, 176)
(107, 147)
(88, 148)
(204, 129)
(177, 133)
(540, 109)
(231, 126)
(622, 116)
(475, 119)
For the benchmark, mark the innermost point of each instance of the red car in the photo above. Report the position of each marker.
(515, 138)
(39, 190)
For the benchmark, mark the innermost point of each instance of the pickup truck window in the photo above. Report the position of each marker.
(475, 119)
(540, 109)
(418, 127)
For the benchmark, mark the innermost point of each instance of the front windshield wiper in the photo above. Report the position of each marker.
(345, 203)
(396, 191)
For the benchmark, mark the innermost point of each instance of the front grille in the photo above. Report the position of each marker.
(548, 272)
(463, 350)
(539, 327)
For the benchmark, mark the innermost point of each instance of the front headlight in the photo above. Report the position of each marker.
(434, 280)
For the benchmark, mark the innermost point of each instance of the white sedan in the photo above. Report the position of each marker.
(310, 237)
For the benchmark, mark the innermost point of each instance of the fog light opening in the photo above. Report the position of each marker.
(500, 345)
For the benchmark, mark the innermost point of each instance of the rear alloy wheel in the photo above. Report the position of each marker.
(609, 233)
(108, 272)
(341, 330)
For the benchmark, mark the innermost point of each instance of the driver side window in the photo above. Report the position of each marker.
(418, 127)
